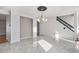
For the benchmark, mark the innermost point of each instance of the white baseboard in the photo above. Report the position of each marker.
(14, 41)
(68, 40)
(26, 37)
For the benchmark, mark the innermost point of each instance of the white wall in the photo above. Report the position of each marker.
(51, 26)
(2, 27)
(68, 18)
(8, 28)
(34, 32)
(15, 27)
(26, 25)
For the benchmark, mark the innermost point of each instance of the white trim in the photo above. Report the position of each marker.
(68, 40)
(26, 37)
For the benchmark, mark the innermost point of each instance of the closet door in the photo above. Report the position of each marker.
(26, 28)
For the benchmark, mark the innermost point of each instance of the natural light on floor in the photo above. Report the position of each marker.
(57, 35)
(45, 45)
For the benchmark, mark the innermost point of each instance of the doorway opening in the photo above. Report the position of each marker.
(3, 29)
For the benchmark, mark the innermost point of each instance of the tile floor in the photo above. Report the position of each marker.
(19, 47)
(59, 46)
(26, 46)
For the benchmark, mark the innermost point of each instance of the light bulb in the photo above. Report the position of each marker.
(43, 19)
(38, 20)
(46, 19)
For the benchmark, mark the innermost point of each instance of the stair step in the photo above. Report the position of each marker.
(3, 39)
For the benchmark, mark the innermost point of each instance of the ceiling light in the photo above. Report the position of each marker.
(42, 18)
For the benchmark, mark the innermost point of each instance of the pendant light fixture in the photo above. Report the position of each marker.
(42, 18)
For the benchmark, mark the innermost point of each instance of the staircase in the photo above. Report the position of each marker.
(70, 27)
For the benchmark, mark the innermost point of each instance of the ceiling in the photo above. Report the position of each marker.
(50, 12)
